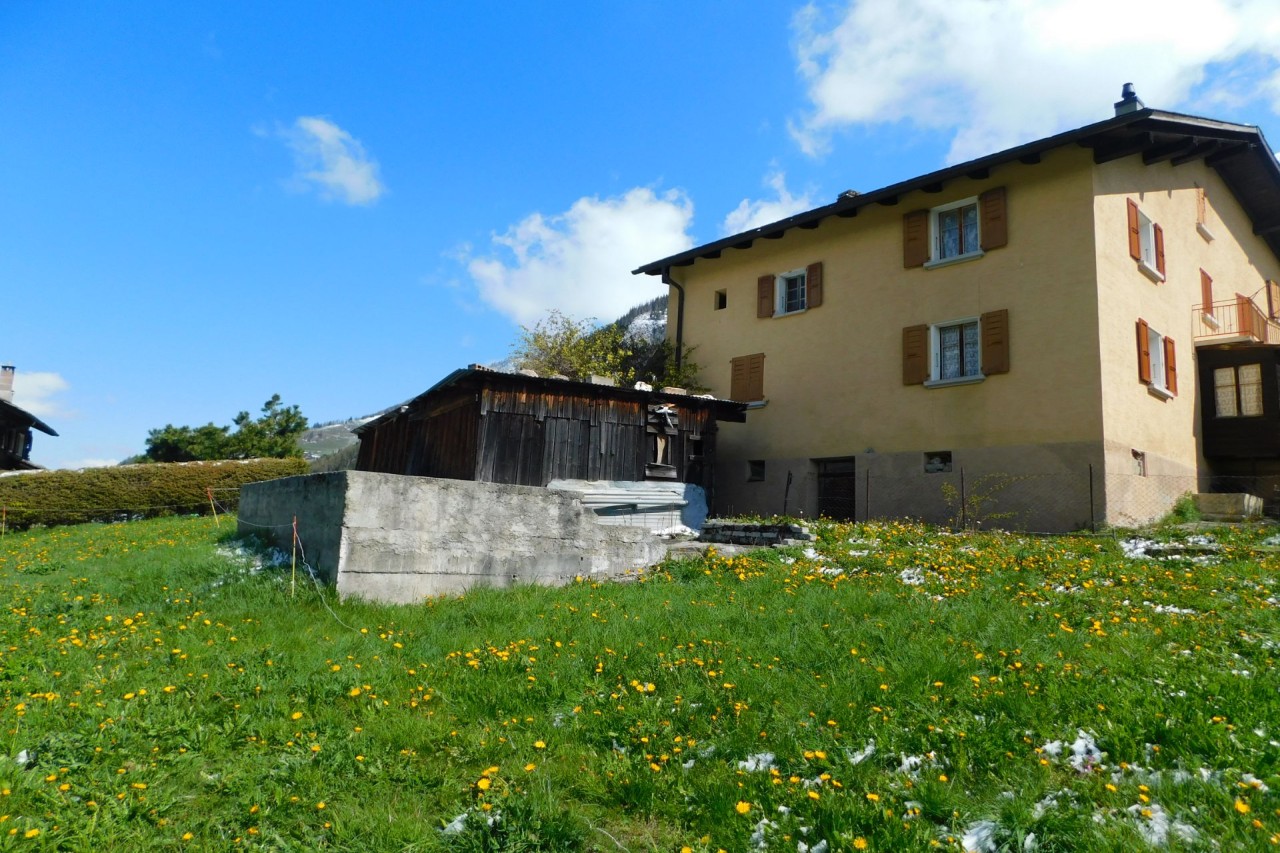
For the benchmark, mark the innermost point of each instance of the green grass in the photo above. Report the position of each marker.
(166, 696)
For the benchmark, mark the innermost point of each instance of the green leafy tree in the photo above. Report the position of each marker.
(274, 434)
(558, 344)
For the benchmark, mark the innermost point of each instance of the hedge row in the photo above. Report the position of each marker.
(132, 491)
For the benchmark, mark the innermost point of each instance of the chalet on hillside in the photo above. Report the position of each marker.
(15, 428)
(490, 426)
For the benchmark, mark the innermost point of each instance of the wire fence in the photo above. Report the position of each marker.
(964, 498)
(1057, 501)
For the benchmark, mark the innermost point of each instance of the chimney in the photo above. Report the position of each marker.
(1128, 102)
(6, 383)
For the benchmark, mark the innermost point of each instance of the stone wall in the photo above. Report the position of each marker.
(398, 539)
(760, 535)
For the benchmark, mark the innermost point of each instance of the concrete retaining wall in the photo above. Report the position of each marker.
(398, 539)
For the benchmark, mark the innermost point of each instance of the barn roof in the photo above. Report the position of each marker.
(476, 374)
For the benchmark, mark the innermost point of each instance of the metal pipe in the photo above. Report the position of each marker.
(671, 282)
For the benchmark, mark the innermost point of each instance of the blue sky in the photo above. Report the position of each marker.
(203, 205)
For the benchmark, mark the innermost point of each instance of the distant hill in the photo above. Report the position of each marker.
(329, 438)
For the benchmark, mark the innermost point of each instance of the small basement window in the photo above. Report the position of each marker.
(722, 300)
(755, 470)
(937, 462)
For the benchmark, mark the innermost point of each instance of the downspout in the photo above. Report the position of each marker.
(670, 282)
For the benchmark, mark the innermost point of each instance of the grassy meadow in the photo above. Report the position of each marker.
(892, 688)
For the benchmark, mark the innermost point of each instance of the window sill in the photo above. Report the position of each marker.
(1151, 272)
(757, 404)
(1159, 393)
(957, 259)
(1204, 232)
(778, 314)
(947, 383)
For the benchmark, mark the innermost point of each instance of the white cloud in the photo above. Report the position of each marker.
(332, 161)
(580, 261)
(750, 214)
(77, 464)
(36, 392)
(1000, 73)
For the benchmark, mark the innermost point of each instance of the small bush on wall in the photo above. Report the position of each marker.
(132, 491)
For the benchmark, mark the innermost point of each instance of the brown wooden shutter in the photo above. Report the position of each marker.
(995, 342)
(1206, 292)
(755, 377)
(1273, 299)
(1144, 353)
(1135, 236)
(1159, 234)
(746, 383)
(915, 355)
(738, 379)
(813, 285)
(1170, 367)
(764, 296)
(915, 238)
(995, 222)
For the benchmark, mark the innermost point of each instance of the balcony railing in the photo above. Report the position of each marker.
(1238, 319)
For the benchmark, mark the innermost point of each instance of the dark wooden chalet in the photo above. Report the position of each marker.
(15, 436)
(496, 427)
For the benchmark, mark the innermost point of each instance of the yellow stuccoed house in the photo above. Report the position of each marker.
(1067, 334)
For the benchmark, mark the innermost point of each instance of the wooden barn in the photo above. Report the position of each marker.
(496, 427)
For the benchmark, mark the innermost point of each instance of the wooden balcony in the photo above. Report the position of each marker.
(1233, 321)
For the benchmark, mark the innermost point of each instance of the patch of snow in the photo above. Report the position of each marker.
(757, 763)
(1154, 825)
(981, 837)
(456, 825)
(912, 576)
(1085, 753)
(863, 754)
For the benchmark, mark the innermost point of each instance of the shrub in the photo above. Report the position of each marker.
(133, 491)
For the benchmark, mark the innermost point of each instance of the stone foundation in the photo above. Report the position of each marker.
(399, 539)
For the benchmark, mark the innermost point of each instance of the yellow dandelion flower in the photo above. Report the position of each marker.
(537, 744)
(859, 843)
(483, 783)
(1242, 807)
(742, 807)
(296, 715)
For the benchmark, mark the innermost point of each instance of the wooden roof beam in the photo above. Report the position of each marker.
(1168, 151)
(1227, 153)
(1106, 152)
(1197, 152)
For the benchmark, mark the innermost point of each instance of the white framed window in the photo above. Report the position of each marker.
(1146, 243)
(954, 232)
(1155, 341)
(957, 351)
(1237, 391)
(791, 292)
(1157, 362)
